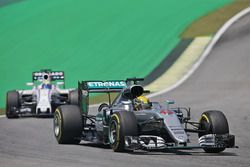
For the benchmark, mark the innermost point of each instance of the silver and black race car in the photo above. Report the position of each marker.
(44, 97)
(125, 125)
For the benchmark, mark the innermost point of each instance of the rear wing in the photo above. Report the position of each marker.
(54, 75)
(97, 86)
(102, 86)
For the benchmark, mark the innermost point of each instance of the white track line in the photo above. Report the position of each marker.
(208, 49)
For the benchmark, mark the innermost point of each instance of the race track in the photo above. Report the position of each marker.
(221, 82)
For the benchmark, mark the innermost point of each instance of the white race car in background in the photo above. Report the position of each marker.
(44, 97)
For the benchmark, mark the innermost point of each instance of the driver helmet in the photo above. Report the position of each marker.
(142, 103)
(46, 82)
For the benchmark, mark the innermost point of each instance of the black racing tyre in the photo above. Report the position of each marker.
(12, 104)
(74, 97)
(121, 124)
(213, 122)
(102, 106)
(68, 124)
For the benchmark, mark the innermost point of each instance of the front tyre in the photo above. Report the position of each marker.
(68, 124)
(213, 122)
(121, 124)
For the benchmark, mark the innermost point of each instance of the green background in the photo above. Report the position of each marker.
(91, 39)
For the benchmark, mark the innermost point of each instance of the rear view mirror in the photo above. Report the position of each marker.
(169, 102)
(30, 84)
(60, 83)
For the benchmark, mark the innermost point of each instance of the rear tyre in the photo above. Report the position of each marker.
(68, 124)
(121, 124)
(12, 104)
(74, 97)
(102, 106)
(213, 122)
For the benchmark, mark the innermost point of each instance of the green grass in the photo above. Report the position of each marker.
(210, 23)
(2, 111)
(91, 39)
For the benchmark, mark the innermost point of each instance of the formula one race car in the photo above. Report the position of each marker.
(132, 122)
(45, 96)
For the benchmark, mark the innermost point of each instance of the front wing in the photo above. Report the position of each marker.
(147, 142)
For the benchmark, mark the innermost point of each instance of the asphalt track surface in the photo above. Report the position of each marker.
(222, 82)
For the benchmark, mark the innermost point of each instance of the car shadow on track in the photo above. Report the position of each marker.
(164, 152)
(95, 145)
(181, 152)
(33, 117)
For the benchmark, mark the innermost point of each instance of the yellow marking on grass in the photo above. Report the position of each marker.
(181, 66)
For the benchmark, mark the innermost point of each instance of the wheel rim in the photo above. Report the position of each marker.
(113, 132)
(57, 124)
